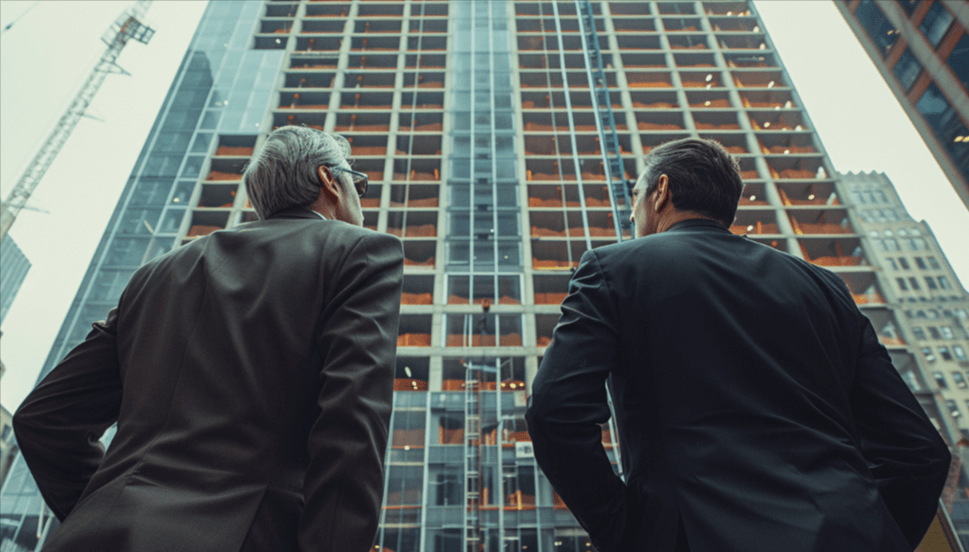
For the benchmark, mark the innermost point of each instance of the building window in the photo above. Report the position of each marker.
(929, 281)
(891, 263)
(879, 30)
(944, 282)
(914, 282)
(959, 352)
(946, 126)
(953, 408)
(908, 5)
(940, 380)
(918, 244)
(933, 263)
(890, 215)
(901, 284)
(944, 353)
(959, 380)
(903, 262)
(946, 332)
(934, 332)
(918, 332)
(927, 353)
(920, 263)
(935, 23)
(907, 69)
(892, 245)
(959, 60)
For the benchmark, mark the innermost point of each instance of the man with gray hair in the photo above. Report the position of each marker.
(250, 373)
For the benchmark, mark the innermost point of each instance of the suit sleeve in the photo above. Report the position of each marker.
(59, 424)
(906, 455)
(343, 488)
(568, 404)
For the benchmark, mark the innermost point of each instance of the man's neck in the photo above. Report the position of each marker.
(323, 208)
(679, 216)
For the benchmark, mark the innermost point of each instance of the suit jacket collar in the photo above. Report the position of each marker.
(697, 224)
(297, 212)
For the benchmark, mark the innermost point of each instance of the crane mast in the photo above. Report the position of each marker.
(126, 27)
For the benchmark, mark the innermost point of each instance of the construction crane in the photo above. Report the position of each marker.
(128, 26)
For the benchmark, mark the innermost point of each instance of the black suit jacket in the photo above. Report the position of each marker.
(250, 373)
(757, 410)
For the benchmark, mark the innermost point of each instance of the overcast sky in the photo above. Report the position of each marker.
(858, 119)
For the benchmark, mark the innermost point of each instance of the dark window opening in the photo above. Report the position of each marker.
(907, 69)
(879, 30)
(935, 23)
(946, 125)
(958, 61)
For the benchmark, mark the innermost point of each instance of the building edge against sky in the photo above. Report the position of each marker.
(484, 158)
(13, 270)
(921, 49)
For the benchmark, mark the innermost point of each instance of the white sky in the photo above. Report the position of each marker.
(46, 55)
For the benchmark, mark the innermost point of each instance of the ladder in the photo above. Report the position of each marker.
(605, 122)
(472, 457)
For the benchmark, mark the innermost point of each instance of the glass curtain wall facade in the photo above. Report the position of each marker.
(478, 129)
(13, 270)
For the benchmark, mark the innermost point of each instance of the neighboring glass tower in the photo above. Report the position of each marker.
(487, 155)
(921, 48)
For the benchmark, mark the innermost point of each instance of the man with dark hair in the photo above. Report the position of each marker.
(756, 409)
(250, 373)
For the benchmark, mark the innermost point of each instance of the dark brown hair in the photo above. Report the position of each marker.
(704, 177)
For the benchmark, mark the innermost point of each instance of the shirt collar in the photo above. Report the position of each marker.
(697, 222)
(298, 212)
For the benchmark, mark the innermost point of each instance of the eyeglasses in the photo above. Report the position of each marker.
(360, 180)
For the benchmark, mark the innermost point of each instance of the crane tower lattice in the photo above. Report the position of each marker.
(127, 27)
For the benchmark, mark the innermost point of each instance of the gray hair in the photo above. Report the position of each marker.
(284, 172)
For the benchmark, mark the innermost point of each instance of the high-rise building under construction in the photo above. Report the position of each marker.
(494, 134)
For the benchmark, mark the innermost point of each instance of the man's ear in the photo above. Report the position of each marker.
(662, 193)
(329, 185)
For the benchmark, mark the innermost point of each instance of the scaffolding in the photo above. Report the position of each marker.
(472, 456)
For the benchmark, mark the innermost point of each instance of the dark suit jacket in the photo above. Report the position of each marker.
(757, 410)
(251, 375)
